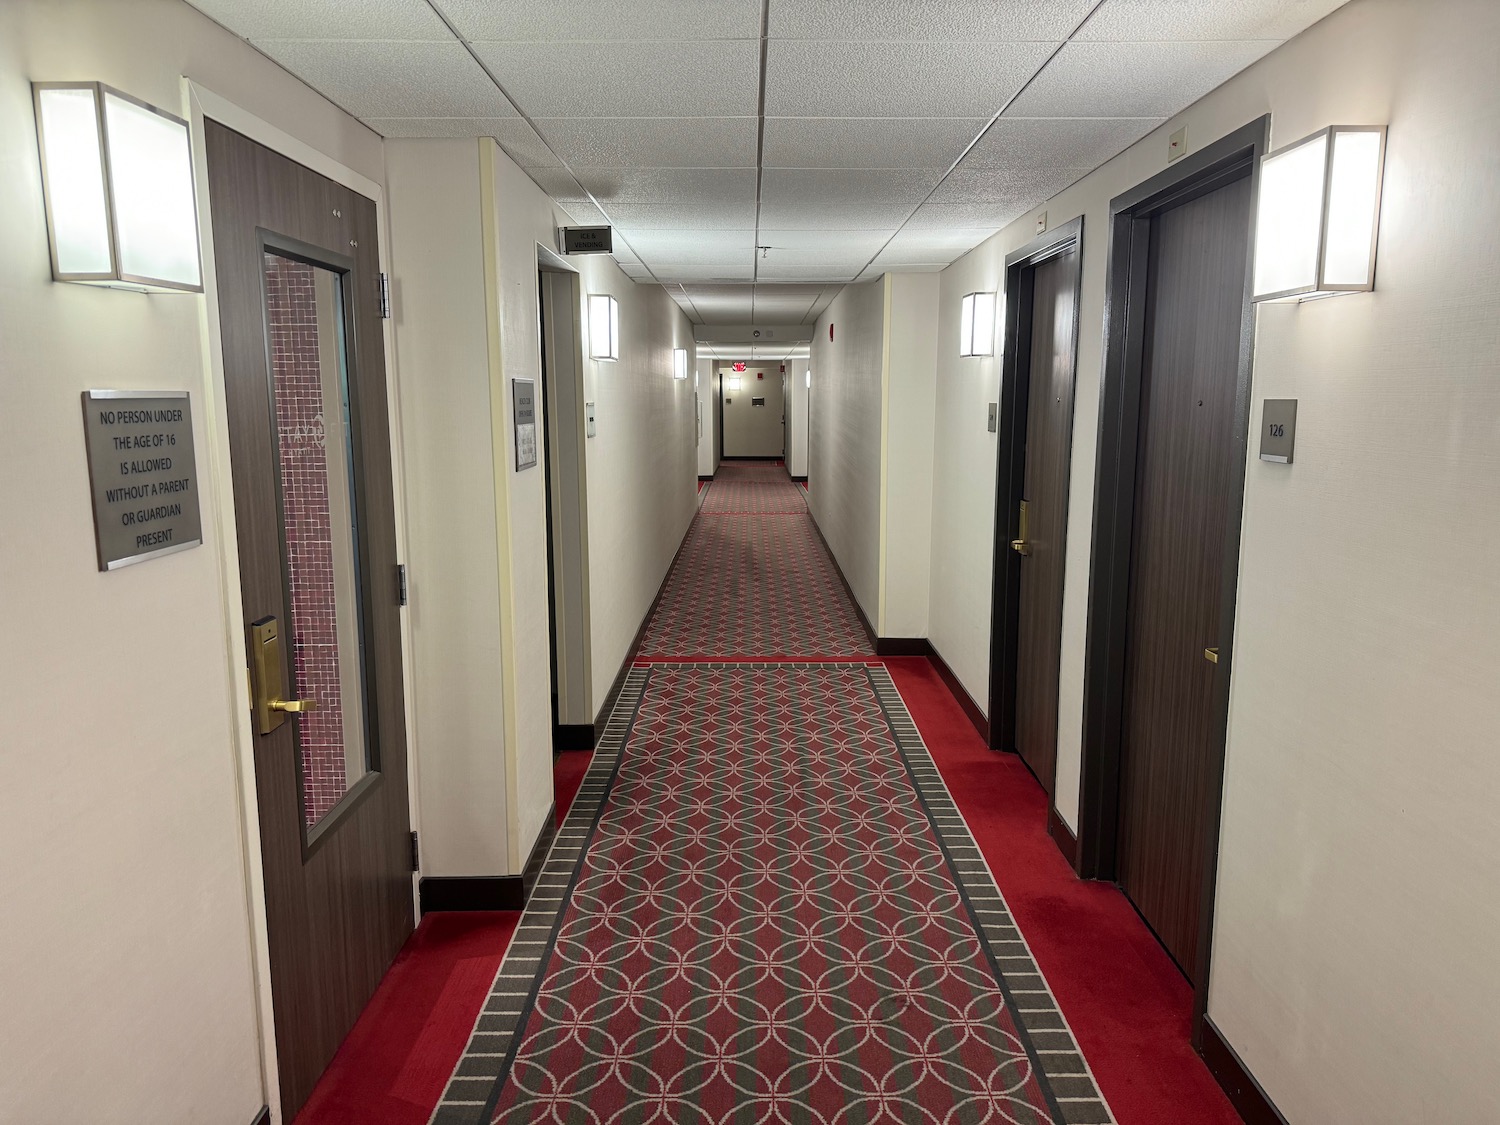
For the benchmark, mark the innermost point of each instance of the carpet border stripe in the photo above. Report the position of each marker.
(1042, 1020)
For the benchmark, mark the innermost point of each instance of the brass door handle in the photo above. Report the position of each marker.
(1020, 546)
(1211, 655)
(293, 706)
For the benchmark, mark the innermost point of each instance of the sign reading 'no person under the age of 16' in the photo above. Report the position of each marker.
(143, 474)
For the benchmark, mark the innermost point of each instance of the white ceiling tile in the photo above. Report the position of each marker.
(1144, 20)
(690, 271)
(1072, 142)
(385, 79)
(680, 246)
(771, 270)
(1133, 79)
(868, 142)
(605, 20)
(827, 241)
(938, 216)
(1019, 187)
(614, 79)
(670, 185)
(814, 263)
(846, 185)
(556, 182)
(682, 216)
(950, 241)
(799, 214)
(840, 79)
(1012, 20)
(900, 265)
(327, 19)
(583, 212)
(699, 142)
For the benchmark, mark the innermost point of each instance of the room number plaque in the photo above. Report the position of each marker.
(143, 474)
(523, 417)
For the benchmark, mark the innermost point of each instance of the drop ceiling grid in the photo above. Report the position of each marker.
(882, 145)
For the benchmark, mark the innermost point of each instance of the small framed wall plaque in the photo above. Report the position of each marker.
(523, 419)
(143, 474)
(1278, 430)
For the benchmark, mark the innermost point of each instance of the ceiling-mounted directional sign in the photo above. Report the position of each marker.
(588, 240)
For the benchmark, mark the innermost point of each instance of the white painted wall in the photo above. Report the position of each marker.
(911, 377)
(129, 967)
(642, 464)
(465, 279)
(844, 443)
(1354, 966)
(796, 420)
(438, 305)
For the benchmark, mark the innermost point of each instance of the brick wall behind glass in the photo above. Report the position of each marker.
(292, 311)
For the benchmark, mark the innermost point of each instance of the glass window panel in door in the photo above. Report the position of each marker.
(319, 525)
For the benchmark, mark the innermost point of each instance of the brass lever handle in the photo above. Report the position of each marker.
(1020, 546)
(293, 706)
(1211, 655)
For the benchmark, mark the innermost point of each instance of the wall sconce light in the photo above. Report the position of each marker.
(809, 380)
(1319, 213)
(604, 327)
(976, 325)
(679, 363)
(117, 178)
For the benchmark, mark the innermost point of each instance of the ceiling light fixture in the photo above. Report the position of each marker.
(976, 325)
(117, 180)
(1319, 214)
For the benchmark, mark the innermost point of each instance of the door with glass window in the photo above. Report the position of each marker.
(304, 371)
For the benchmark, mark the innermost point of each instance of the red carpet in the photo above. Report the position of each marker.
(392, 1068)
(1129, 1007)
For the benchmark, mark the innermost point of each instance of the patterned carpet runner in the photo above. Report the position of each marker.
(764, 906)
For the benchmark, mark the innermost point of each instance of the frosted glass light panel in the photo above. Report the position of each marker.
(1319, 213)
(604, 327)
(118, 179)
(679, 363)
(976, 325)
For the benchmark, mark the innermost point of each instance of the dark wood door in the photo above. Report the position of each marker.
(304, 374)
(1183, 497)
(1049, 447)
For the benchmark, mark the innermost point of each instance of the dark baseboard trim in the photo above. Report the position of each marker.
(848, 589)
(960, 693)
(702, 478)
(1237, 1082)
(572, 736)
(471, 892)
(263, 1117)
(602, 718)
(778, 457)
(902, 646)
(1062, 836)
(799, 480)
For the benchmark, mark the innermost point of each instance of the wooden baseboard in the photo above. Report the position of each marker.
(903, 646)
(1062, 836)
(572, 736)
(471, 892)
(848, 589)
(1244, 1092)
(960, 693)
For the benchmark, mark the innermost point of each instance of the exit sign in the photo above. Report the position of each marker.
(739, 367)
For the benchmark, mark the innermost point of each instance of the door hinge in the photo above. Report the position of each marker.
(416, 856)
(385, 296)
(401, 582)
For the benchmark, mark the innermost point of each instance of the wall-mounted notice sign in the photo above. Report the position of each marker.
(1278, 430)
(143, 474)
(523, 419)
(588, 240)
